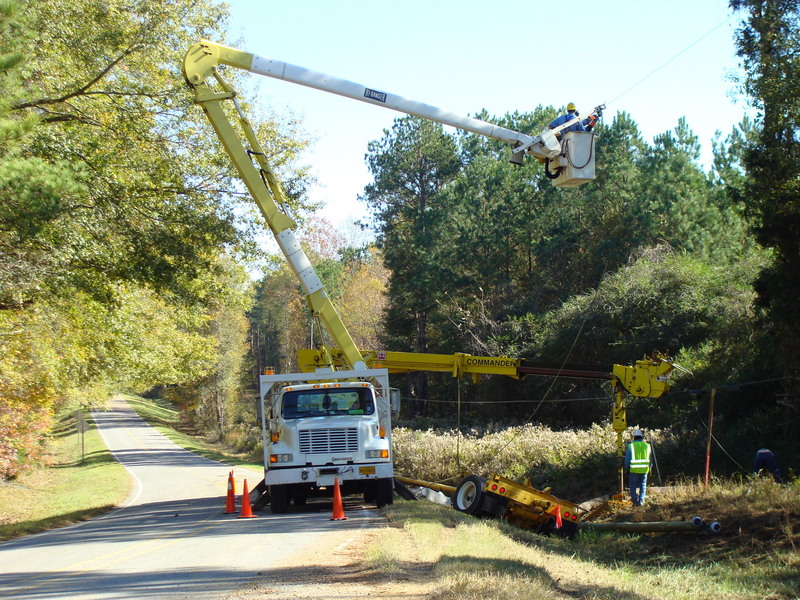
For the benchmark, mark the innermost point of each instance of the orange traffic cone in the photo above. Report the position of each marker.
(338, 510)
(247, 512)
(230, 502)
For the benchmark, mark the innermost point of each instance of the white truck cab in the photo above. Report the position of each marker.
(327, 426)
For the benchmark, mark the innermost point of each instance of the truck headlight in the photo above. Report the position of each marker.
(377, 454)
(280, 458)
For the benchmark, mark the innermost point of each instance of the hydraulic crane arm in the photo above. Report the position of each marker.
(647, 378)
(212, 92)
(203, 58)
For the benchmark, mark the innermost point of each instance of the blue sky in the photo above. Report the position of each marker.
(500, 56)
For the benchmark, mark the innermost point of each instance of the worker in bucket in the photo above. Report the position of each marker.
(571, 114)
(766, 462)
(637, 463)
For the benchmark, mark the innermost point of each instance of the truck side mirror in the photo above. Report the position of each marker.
(394, 401)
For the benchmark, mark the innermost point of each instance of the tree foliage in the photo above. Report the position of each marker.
(123, 234)
(767, 43)
(653, 256)
(119, 216)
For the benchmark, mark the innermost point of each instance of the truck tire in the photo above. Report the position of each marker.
(384, 492)
(279, 498)
(468, 497)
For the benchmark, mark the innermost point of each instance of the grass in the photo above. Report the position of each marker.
(578, 464)
(755, 557)
(71, 488)
(165, 417)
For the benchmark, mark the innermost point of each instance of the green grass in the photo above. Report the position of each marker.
(72, 488)
(165, 417)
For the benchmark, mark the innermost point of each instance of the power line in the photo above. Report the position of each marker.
(496, 402)
(657, 69)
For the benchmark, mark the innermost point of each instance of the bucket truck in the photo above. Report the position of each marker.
(313, 436)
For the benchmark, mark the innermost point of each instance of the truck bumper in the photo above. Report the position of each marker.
(325, 476)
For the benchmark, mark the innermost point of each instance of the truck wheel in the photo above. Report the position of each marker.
(468, 497)
(384, 492)
(278, 498)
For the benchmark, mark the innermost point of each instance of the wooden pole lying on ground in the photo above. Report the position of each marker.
(696, 524)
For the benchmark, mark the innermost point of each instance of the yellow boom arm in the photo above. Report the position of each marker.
(211, 92)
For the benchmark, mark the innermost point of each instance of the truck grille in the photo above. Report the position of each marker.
(323, 441)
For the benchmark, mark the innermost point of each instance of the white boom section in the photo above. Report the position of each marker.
(202, 59)
(544, 145)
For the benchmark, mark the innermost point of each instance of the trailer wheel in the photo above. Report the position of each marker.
(468, 497)
(384, 491)
(279, 498)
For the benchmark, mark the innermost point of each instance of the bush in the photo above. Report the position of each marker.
(21, 438)
(579, 463)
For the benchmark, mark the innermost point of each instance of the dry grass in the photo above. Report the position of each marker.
(472, 559)
(755, 556)
(578, 464)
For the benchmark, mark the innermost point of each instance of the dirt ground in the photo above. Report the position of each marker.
(336, 570)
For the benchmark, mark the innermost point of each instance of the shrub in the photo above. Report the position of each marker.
(21, 435)
(572, 461)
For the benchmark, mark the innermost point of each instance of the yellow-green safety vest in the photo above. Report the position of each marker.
(640, 457)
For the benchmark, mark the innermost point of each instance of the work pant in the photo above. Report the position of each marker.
(766, 461)
(637, 482)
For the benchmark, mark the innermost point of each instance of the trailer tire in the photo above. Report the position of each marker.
(279, 498)
(468, 497)
(384, 491)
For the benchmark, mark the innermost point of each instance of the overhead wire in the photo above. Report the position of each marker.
(717, 442)
(558, 374)
(657, 69)
(580, 329)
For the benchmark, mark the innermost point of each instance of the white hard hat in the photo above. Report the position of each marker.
(638, 433)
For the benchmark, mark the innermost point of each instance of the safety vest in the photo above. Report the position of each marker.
(640, 457)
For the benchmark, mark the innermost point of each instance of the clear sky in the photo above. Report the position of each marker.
(501, 55)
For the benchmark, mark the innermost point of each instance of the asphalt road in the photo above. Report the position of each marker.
(171, 539)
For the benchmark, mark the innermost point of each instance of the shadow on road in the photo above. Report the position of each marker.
(179, 583)
(187, 518)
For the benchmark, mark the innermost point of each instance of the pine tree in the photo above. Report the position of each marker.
(767, 42)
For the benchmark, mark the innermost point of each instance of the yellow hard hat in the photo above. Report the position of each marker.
(571, 106)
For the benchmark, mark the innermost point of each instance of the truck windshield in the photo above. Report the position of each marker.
(326, 402)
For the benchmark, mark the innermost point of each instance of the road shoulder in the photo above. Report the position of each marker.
(339, 568)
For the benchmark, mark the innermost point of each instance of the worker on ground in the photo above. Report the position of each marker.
(765, 461)
(637, 463)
